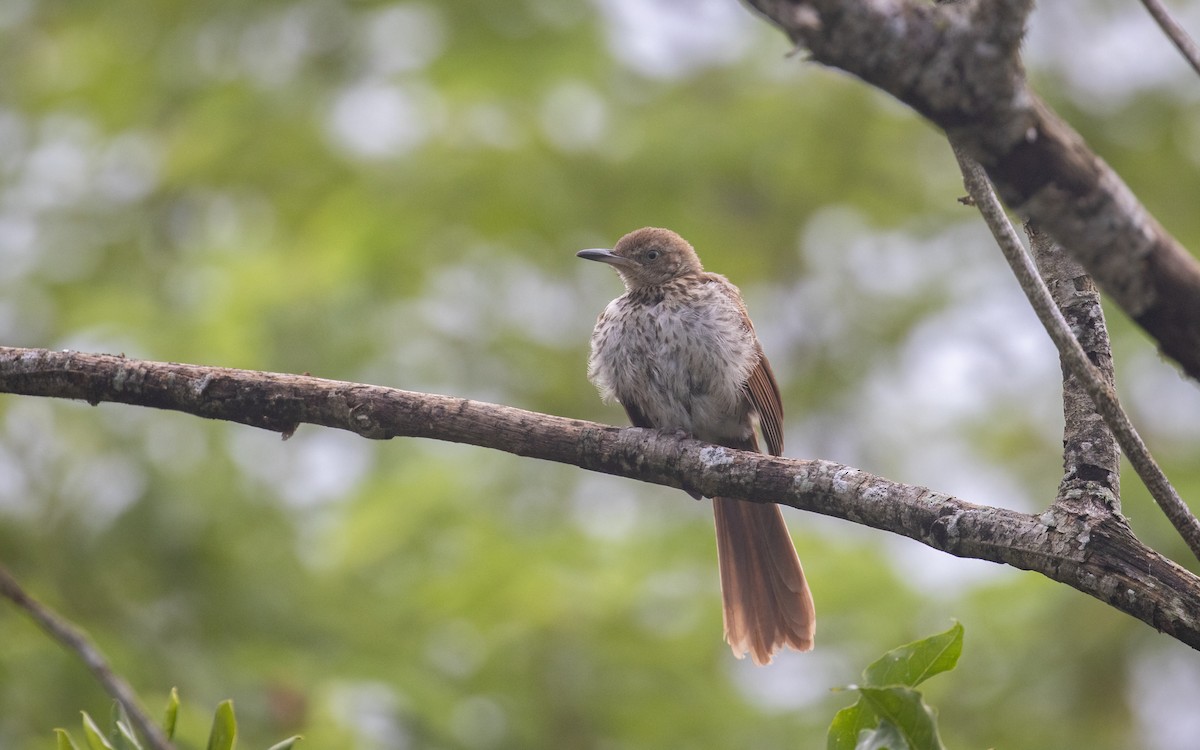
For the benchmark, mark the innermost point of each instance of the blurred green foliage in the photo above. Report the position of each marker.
(394, 194)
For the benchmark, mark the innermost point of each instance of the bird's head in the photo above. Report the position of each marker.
(648, 257)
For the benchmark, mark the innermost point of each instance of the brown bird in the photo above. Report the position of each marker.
(679, 352)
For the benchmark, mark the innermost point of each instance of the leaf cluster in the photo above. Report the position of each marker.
(120, 736)
(891, 714)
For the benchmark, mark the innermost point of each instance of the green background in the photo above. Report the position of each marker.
(394, 194)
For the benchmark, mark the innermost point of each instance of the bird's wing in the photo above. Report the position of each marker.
(636, 417)
(764, 395)
(760, 385)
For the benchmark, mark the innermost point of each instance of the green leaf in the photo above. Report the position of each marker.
(224, 728)
(916, 662)
(93, 735)
(64, 740)
(886, 736)
(903, 707)
(114, 716)
(122, 737)
(172, 714)
(286, 744)
(848, 724)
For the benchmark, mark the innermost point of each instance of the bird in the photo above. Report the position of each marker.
(678, 351)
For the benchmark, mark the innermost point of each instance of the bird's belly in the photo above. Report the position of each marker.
(679, 372)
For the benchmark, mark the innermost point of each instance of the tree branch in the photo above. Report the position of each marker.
(1176, 33)
(1091, 458)
(76, 641)
(1096, 555)
(1098, 388)
(958, 65)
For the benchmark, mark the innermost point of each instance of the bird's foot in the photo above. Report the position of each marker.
(676, 433)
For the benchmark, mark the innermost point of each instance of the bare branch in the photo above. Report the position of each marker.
(1091, 458)
(1095, 554)
(1174, 32)
(948, 64)
(1100, 391)
(75, 640)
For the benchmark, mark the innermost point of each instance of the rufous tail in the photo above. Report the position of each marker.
(767, 601)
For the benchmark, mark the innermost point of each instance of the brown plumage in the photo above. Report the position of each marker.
(679, 352)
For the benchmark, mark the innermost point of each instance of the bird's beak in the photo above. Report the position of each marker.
(604, 256)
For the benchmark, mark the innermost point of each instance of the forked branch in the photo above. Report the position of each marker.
(958, 65)
(1095, 554)
(1093, 381)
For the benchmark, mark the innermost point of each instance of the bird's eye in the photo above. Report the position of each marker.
(652, 255)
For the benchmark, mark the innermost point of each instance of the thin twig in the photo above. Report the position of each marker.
(1072, 353)
(74, 639)
(1174, 32)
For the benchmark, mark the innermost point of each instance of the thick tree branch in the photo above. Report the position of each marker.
(957, 64)
(1095, 554)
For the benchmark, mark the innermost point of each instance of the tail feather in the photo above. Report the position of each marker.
(767, 601)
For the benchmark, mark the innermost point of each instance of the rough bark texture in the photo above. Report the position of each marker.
(1090, 550)
(1076, 359)
(1091, 458)
(958, 64)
